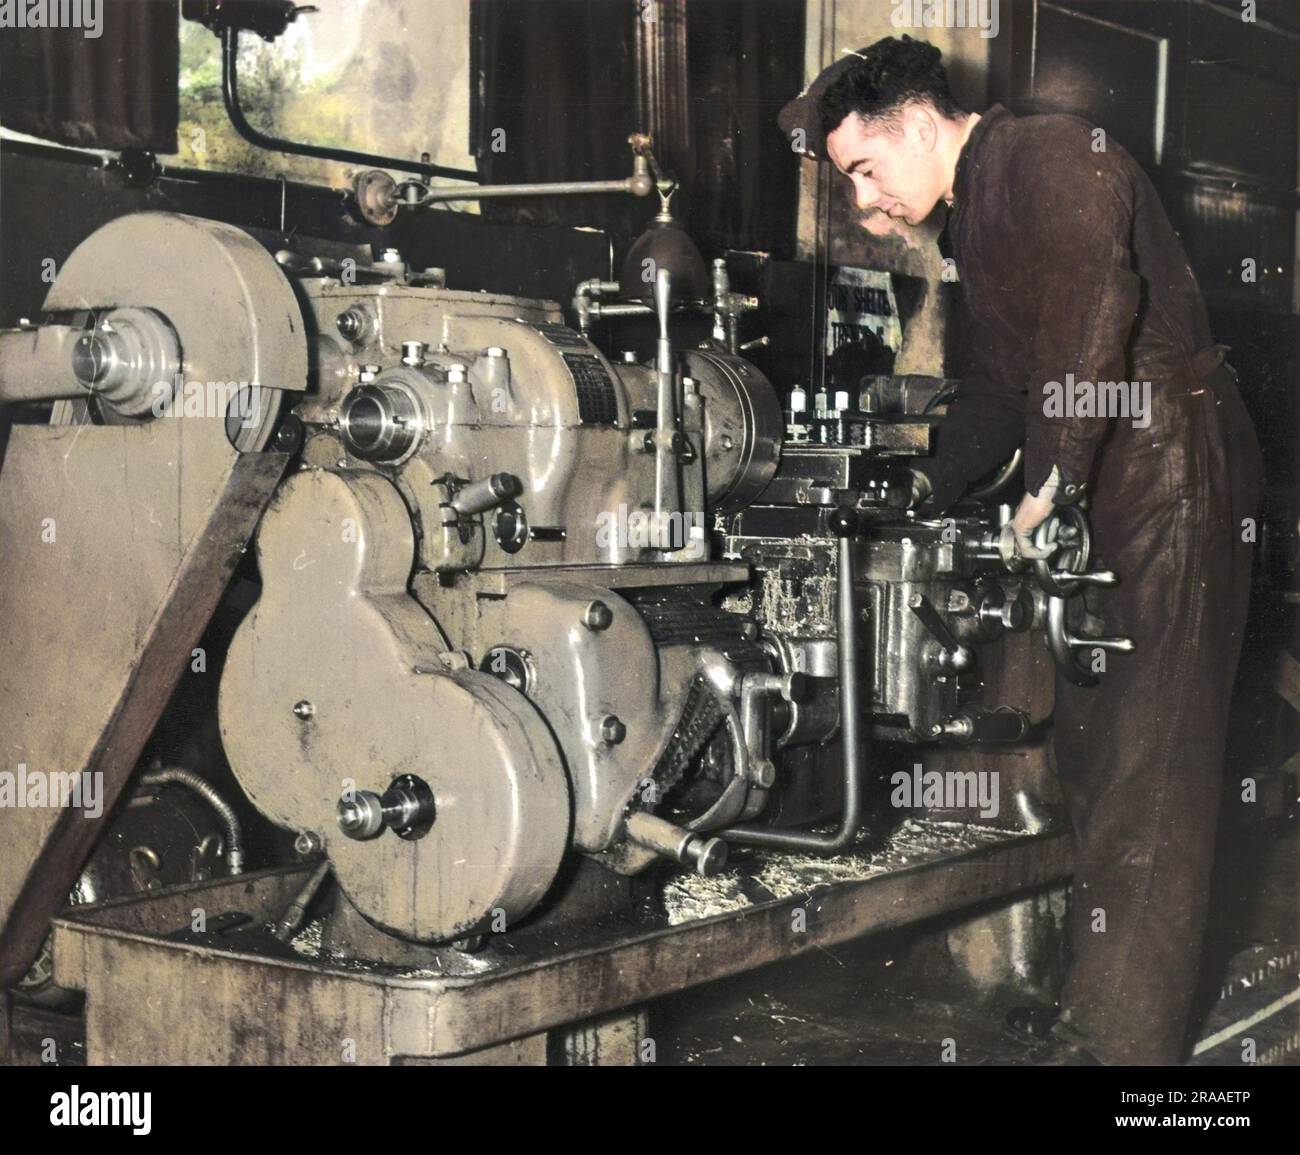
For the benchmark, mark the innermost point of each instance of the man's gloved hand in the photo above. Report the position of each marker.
(1016, 543)
(1018, 549)
(921, 488)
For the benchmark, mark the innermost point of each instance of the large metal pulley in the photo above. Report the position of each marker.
(179, 319)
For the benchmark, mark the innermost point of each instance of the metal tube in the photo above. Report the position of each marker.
(487, 493)
(36, 364)
(230, 94)
(850, 722)
(296, 911)
(635, 184)
(622, 309)
(1000, 482)
(595, 287)
(179, 776)
(667, 488)
(704, 854)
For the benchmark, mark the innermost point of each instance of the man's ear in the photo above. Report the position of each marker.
(923, 125)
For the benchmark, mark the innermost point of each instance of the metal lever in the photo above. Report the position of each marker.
(1005, 724)
(667, 483)
(1101, 577)
(1114, 645)
(1062, 644)
(959, 657)
(703, 854)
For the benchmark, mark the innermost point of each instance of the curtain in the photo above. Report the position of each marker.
(114, 90)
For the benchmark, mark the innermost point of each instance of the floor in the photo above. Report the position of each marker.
(900, 1000)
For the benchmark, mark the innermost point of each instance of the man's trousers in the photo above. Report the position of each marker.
(1140, 757)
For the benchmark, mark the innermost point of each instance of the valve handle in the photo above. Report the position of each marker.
(1062, 644)
(1069, 526)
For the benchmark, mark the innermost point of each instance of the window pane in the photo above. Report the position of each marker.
(359, 74)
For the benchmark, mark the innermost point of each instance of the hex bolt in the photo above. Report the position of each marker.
(304, 710)
(289, 434)
(612, 730)
(597, 616)
(307, 842)
(413, 353)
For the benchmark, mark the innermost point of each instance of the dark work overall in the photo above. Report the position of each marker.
(1140, 756)
(1069, 265)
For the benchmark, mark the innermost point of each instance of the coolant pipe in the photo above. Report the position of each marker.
(585, 300)
(176, 775)
(844, 524)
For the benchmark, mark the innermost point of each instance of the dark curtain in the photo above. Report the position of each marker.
(113, 91)
(557, 95)
(745, 62)
(561, 78)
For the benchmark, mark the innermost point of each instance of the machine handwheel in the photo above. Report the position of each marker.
(1063, 576)
(1068, 525)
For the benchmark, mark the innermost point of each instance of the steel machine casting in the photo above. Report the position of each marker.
(521, 598)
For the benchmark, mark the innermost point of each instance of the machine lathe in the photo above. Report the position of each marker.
(515, 620)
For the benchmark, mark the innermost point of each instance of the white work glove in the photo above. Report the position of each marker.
(1016, 542)
(921, 488)
(1018, 549)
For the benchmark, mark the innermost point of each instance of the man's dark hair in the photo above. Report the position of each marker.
(885, 77)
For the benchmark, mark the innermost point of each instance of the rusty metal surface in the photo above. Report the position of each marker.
(259, 1006)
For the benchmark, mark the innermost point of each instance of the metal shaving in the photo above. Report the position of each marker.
(688, 897)
(692, 896)
(455, 963)
(307, 943)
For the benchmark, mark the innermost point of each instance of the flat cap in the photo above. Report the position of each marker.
(801, 119)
